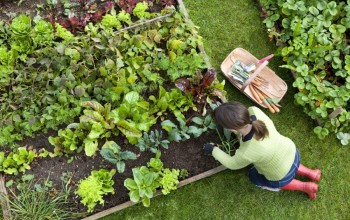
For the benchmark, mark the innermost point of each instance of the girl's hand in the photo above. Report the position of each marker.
(208, 148)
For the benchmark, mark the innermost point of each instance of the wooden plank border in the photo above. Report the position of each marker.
(184, 11)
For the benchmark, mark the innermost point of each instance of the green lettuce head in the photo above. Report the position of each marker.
(43, 33)
(21, 26)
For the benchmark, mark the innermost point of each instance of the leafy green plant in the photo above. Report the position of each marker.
(94, 187)
(99, 122)
(17, 161)
(63, 33)
(314, 46)
(111, 21)
(43, 33)
(133, 116)
(168, 178)
(146, 180)
(173, 101)
(344, 138)
(140, 10)
(142, 186)
(21, 26)
(67, 141)
(176, 133)
(201, 125)
(152, 141)
(111, 152)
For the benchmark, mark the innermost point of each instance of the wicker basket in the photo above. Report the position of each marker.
(275, 87)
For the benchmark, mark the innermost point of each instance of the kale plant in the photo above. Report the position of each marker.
(152, 141)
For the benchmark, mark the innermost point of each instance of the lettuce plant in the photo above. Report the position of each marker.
(201, 125)
(67, 141)
(43, 33)
(17, 161)
(124, 17)
(133, 116)
(140, 10)
(176, 133)
(21, 26)
(63, 33)
(94, 187)
(169, 180)
(110, 21)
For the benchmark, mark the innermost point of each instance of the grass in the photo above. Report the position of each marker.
(225, 25)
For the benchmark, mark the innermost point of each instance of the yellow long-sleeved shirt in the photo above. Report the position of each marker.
(272, 157)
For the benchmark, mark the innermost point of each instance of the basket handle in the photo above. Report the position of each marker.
(256, 72)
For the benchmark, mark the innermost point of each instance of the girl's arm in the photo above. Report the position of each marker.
(231, 162)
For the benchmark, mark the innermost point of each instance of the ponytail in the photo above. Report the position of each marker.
(260, 130)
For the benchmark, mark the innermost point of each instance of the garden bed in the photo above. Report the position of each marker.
(186, 154)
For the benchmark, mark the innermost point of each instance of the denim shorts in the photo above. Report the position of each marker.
(260, 180)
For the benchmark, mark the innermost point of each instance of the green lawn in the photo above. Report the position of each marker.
(225, 25)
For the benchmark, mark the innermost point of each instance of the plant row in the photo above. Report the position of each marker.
(110, 83)
(313, 38)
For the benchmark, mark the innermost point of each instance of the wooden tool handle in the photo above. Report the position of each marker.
(255, 95)
(264, 100)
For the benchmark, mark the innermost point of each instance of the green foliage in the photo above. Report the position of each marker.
(63, 33)
(228, 141)
(173, 101)
(315, 47)
(344, 138)
(140, 10)
(183, 132)
(176, 133)
(67, 141)
(201, 125)
(94, 187)
(43, 33)
(124, 17)
(21, 26)
(17, 161)
(146, 179)
(30, 203)
(133, 116)
(111, 21)
(169, 180)
(113, 70)
(142, 186)
(112, 153)
(99, 124)
(152, 141)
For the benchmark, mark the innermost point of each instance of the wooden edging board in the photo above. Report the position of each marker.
(208, 173)
(158, 192)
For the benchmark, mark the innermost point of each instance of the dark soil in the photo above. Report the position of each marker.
(183, 155)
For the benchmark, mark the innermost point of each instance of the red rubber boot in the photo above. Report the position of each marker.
(309, 188)
(312, 174)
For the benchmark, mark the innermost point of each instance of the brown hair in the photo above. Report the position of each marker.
(234, 115)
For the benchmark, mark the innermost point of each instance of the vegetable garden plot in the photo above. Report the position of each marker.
(106, 101)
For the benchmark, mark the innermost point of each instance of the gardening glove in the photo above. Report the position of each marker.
(208, 148)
